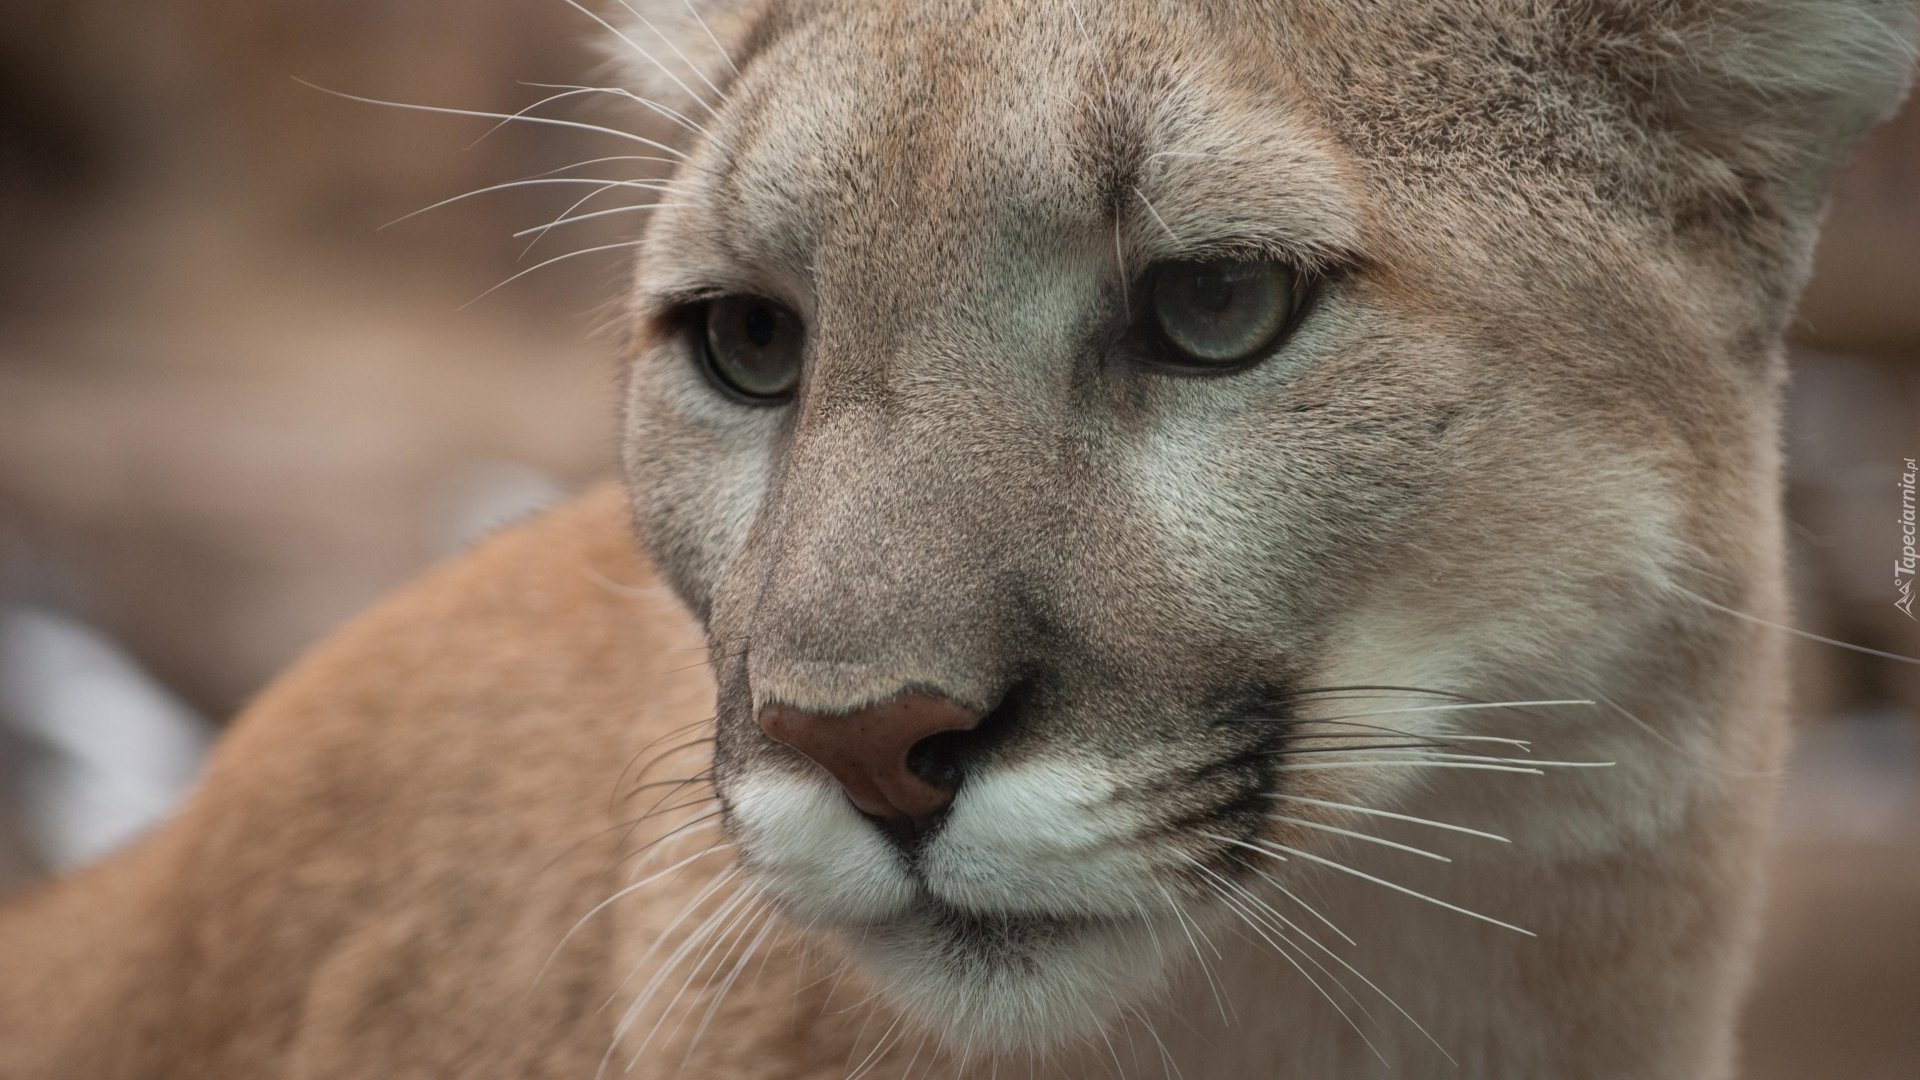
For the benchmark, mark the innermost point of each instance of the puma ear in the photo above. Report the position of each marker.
(1781, 88)
(678, 54)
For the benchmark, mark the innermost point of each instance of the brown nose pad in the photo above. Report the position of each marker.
(867, 751)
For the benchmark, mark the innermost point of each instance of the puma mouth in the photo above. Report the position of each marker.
(1001, 982)
(1003, 935)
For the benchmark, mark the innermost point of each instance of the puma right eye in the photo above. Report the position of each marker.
(1221, 313)
(751, 347)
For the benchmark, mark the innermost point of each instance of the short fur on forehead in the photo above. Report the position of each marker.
(1783, 86)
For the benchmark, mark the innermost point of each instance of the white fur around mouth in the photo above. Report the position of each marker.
(1005, 983)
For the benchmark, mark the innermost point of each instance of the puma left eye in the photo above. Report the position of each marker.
(752, 347)
(1219, 313)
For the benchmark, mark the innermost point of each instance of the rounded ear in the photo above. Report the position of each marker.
(678, 54)
(1780, 88)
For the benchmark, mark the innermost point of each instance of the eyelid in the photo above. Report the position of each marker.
(1312, 266)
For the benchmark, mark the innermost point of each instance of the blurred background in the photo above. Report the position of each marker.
(234, 410)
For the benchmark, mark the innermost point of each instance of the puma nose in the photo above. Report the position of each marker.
(885, 756)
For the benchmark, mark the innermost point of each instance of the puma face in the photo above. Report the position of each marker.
(1066, 419)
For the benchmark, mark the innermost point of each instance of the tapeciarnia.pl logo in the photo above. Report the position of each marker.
(1903, 567)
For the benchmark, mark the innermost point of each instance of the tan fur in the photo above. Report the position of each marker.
(1529, 429)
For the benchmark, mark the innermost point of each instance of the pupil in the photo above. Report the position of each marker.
(1211, 292)
(760, 326)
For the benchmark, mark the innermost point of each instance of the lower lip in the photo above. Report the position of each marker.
(1004, 930)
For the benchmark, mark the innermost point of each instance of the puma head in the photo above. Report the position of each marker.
(1064, 417)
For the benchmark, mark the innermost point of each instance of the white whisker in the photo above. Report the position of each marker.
(731, 912)
(1684, 749)
(642, 51)
(1382, 841)
(1338, 959)
(612, 158)
(1206, 970)
(1239, 843)
(1455, 707)
(708, 30)
(1291, 895)
(1400, 763)
(541, 232)
(1282, 951)
(1785, 629)
(632, 1012)
(1389, 814)
(1436, 739)
(762, 918)
(666, 935)
(675, 46)
(1144, 201)
(604, 904)
(675, 115)
(563, 258)
(536, 181)
(545, 120)
(1310, 857)
(880, 1045)
(572, 218)
(1529, 762)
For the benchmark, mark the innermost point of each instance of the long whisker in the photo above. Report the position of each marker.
(1796, 632)
(549, 121)
(880, 1046)
(1685, 750)
(536, 181)
(761, 917)
(572, 218)
(1295, 897)
(1325, 766)
(1530, 762)
(1310, 857)
(666, 935)
(1295, 752)
(1370, 731)
(1371, 985)
(1144, 201)
(638, 48)
(1459, 707)
(611, 159)
(675, 115)
(708, 30)
(671, 44)
(1382, 841)
(716, 928)
(1206, 970)
(1351, 808)
(766, 927)
(1285, 954)
(609, 901)
(1375, 689)
(523, 112)
(563, 258)
(693, 826)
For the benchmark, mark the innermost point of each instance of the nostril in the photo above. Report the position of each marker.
(936, 759)
(942, 759)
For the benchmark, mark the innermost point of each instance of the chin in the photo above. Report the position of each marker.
(995, 984)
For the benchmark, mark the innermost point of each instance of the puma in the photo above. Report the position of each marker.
(1210, 529)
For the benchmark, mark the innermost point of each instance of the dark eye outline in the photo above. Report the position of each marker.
(695, 319)
(1159, 352)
